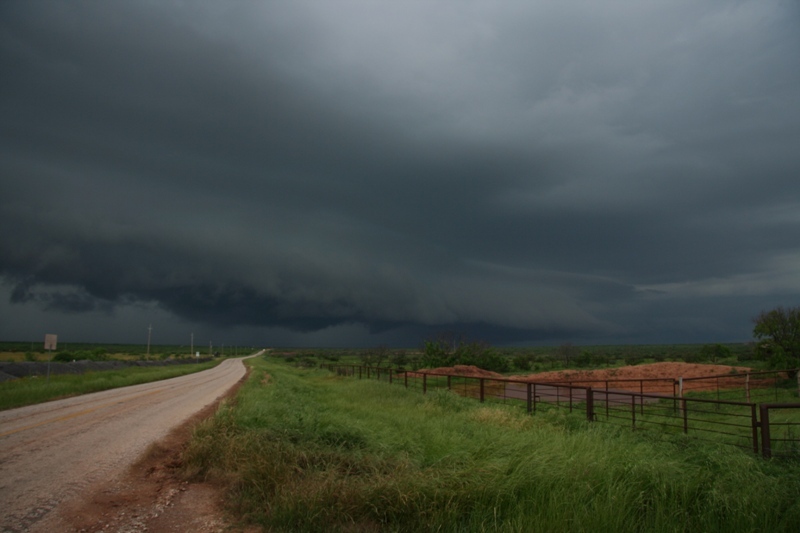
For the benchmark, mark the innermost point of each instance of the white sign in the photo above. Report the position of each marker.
(50, 341)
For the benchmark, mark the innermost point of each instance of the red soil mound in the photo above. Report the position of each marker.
(463, 370)
(662, 376)
(650, 371)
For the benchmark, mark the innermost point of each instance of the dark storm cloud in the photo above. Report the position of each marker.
(526, 171)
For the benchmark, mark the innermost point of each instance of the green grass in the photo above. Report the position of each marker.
(32, 390)
(304, 450)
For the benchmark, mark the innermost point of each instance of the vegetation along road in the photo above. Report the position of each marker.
(51, 453)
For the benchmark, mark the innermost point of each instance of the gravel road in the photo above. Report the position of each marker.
(51, 453)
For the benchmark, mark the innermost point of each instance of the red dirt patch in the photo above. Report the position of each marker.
(654, 377)
(649, 371)
(661, 375)
(469, 371)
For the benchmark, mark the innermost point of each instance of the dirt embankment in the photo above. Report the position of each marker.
(667, 370)
(624, 378)
(469, 371)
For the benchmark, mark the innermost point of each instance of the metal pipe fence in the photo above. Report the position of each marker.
(780, 430)
(703, 414)
(745, 386)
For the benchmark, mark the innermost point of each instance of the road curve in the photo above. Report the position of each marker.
(51, 452)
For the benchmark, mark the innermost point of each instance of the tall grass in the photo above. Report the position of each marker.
(302, 450)
(37, 389)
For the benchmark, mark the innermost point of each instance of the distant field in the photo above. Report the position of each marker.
(38, 389)
(34, 351)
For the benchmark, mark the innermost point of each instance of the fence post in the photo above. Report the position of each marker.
(570, 397)
(530, 398)
(747, 387)
(481, 390)
(534, 397)
(641, 398)
(766, 444)
(674, 395)
(685, 416)
(754, 422)
(589, 405)
(633, 411)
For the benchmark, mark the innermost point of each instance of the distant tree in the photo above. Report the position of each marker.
(399, 358)
(714, 352)
(522, 362)
(567, 352)
(584, 359)
(778, 334)
(375, 356)
(449, 349)
(440, 350)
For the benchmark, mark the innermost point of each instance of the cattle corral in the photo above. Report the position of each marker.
(708, 402)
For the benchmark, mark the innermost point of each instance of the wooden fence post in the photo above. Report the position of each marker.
(747, 386)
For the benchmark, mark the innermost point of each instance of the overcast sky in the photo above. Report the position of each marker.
(355, 173)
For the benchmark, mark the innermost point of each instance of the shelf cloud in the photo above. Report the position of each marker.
(359, 172)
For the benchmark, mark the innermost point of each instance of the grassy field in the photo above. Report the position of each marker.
(34, 351)
(31, 390)
(304, 450)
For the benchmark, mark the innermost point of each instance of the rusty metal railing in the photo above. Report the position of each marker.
(712, 419)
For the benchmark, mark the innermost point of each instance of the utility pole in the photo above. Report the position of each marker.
(191, 346)
(149, 331)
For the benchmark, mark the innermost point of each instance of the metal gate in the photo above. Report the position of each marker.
(780, 429)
